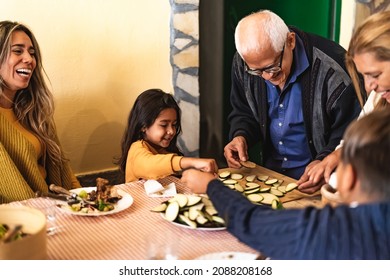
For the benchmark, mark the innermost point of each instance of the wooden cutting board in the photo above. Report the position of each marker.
(259, 170)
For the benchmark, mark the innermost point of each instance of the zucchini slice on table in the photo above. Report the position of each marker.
(172, 211)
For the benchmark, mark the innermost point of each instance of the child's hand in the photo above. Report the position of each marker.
(206, 165)
(196, 180)
(203, 164)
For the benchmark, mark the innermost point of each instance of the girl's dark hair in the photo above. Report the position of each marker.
(145, 111)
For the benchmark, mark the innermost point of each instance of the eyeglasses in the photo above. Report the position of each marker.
(272, 69)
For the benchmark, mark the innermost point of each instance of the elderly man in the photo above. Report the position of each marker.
(291, 92)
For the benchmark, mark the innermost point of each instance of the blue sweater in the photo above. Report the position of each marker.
(342, 233)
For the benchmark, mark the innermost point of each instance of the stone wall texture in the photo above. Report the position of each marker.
(184, 58)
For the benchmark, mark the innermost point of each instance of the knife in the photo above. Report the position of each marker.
(62, 197)
(73, 196)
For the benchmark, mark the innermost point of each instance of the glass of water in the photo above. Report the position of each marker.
(48, 207)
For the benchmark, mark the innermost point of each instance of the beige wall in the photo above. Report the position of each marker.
(348, 8)
(99, 55)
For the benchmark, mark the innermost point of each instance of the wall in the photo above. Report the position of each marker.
(347, 22)
(99, 55)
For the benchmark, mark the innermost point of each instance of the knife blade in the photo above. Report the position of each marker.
(73, 196)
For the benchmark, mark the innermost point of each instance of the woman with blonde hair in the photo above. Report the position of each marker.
(368, 55)
(30, 153)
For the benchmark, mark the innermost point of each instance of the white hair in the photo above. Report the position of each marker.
(250, 32)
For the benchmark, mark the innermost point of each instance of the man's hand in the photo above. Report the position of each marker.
(236, 151)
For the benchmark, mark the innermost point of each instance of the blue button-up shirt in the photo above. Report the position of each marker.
(290, 151)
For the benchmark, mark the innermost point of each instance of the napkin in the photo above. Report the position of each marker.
(333, 180)
(154, 189)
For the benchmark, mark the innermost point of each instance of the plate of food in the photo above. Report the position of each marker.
(90, 201)
(191, 212)
(228, 256)
(205, 227)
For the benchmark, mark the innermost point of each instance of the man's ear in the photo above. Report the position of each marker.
(347, 183)
(291, 40)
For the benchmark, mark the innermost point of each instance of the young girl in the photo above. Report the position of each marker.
(149, 149)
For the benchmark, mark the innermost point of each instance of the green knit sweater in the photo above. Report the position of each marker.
(20, 177)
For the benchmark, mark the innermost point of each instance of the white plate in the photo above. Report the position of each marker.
(125, 202)
(198, 228)
(228, 256)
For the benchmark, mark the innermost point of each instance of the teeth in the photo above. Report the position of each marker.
(24, 71)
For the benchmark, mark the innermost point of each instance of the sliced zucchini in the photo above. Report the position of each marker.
(250, 178)
(278, 183)
(192, 224)
(181, 199)
(208, 216)
(218, 219)
(291, 186)
(230, 182)
(251, 185)
(276, 205)
(224, 174)
(232, 187)
(262, 177)
(160, 208)
(200, 219)
(172, 211)
(193, 199)
(271, 181)
(265, 189)
(236, 176)
(268, 198)
(194, 211)
(276, 192)
(211, 210)
(251, 191)
(206, 201)
(255, 197)
(238, 187)
(282, 189)
(248, 164)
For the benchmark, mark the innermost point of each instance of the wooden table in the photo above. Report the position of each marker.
(122, 236)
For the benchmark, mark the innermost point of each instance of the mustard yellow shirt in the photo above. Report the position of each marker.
(20, 174)
(11, 117)
(145, 162)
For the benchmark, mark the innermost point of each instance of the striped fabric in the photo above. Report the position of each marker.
(20, 177)
(122, 236)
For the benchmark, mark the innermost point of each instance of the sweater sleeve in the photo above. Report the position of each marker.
(143, 163)
(242, 120)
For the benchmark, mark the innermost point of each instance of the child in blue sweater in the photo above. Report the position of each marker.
(357, 229)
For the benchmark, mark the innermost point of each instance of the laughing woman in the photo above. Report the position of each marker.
(30, 153)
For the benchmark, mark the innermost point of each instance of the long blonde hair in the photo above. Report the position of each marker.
(373, 36)
(34, 105)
